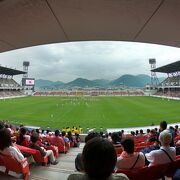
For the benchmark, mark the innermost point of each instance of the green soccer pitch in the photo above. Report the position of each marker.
(105, 112)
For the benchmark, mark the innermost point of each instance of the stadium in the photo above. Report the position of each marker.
(83, 110)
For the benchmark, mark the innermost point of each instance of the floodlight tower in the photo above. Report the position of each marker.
(154, 79)
(25, 68)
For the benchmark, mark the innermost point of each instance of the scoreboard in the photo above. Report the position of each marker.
(28, 81)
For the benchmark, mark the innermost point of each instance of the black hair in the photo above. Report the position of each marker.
(163, 125)
(116, 139)
(128, 145)
(23, 131)
(99, 158)
(34, 137)
(5, 138)
(91, 136)
(57, 133)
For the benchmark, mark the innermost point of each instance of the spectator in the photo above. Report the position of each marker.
(165, 154)
(137, 133)
(77, 140)
(163, 126)
(141, 132)
(21, 139)
(116, 139)
(57, 138)
(152, 136)
(34, 145)
(122, 134)
(99, 159)
(78, 159)
(58, 141)
(128, 158)
(6, 146)
(1, 125)
(64, 136)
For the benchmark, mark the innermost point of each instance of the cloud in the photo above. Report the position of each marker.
(91, 60)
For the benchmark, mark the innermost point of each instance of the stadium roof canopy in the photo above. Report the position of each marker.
(169, 68)
(25, 23)
(9, 71)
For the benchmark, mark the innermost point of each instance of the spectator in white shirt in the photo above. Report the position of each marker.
(6, 146)
(165, 154)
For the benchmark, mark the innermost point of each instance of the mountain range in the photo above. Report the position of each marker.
(125, 80)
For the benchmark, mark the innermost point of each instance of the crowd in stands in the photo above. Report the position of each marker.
(104, 156)
(168, 93)
(9, 88)
(133, 151)
(34, 145)
(90, 93)
(10, 93)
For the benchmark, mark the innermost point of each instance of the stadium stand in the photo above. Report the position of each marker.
(170, 87)
(8, 86)
(90, 93)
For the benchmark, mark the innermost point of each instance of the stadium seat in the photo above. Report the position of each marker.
(1, 161)
(11, 164)
(145, 173)
(61, 148)
(35, 153)
(152, 172)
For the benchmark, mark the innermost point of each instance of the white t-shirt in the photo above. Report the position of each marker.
(13, 152)
(160, 157)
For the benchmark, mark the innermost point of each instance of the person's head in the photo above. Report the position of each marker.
(176, 127)
(63, 133)
(137, 132)
(57, 133)
(132, 133)
(5, 138)
(37, 130)
(34, 137)
(115, 138)
(165, 138)
(148, 131)
(163, 125)
(69, 133)
(101, 133)
(153, 132)
(128, 145)
(99, 158)
(91, 136)
(1, 125)
(141, 131)
(23, 130)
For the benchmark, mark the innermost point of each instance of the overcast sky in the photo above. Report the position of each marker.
(91, 60)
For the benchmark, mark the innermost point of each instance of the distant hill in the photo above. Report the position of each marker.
(80, 82)
(132, 81)
(41, 83)
(125, 80)
(102, 82)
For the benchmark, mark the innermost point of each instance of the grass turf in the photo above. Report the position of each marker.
(106, 112)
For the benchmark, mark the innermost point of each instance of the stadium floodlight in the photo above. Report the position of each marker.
(152, 61)
(26, 63)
